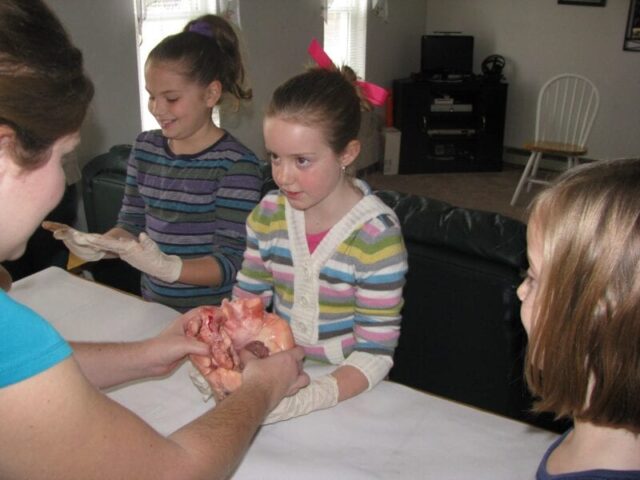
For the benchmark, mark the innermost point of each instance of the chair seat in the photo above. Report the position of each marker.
(557, 148)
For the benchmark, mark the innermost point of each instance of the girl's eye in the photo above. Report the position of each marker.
(302, 162)
(172, 100)
(274, 159)
(527, 277)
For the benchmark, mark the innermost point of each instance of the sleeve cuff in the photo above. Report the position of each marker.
(374, 367)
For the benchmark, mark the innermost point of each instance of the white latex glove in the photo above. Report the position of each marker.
(201, 383)
(145, 255)
(321, 393)
(78, 243)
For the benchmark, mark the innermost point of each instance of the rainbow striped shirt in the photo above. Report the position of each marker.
(191, 206)
(343, 301)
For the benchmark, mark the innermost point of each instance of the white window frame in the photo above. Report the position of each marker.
(157, 19)
(345, 33)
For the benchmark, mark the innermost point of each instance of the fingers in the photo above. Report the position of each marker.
(54, 226)
(191, 321)
(302, 381)
(60, 230)
(120, 246)
(84, 239)
(297, 353)
(147, 243)
(195, 347)
(192, 346)
(246, 356)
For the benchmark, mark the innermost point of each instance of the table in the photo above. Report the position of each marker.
(391, 432)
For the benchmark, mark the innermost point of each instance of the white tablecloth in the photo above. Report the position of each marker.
(391, 432)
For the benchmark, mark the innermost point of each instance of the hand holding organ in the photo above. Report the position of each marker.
(228, 329)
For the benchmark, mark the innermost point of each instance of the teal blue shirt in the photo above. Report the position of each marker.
(28, 343)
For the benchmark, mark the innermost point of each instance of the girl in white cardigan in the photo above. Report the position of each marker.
(325, 251)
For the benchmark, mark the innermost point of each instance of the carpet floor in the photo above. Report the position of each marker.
(487, 191)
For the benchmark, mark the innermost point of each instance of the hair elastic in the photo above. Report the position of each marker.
(201, 27)
(373, 93)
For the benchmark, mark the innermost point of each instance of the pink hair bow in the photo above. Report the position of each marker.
(373, 93)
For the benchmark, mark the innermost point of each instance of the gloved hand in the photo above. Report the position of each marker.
(321, 393)
(78, 243)
(143, 254)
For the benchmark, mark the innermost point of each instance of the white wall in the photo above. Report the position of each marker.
(393, 47)
(542, 38)
(276, 34)
(105, 32)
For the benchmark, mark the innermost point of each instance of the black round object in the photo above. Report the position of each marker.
(492, 66)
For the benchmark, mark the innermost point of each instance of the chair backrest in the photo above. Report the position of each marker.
(567, 107)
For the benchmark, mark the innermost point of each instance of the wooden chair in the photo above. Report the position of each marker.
(567, 107)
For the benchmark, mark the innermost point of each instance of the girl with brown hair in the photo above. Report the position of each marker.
(581, 310)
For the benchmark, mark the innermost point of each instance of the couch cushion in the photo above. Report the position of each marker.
(487, 235)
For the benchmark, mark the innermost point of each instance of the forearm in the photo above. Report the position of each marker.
(351, 382)
(109, 364)
(216, 442)
(203, 271)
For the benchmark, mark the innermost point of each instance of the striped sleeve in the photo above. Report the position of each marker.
(238, 194)
(132, 211)
(255, 278)
(381, 265)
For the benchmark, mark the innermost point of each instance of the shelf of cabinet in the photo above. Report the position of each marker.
(450, 126)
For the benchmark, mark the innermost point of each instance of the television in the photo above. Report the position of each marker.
(446, 55)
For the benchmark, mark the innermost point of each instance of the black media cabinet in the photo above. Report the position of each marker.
(450, 126)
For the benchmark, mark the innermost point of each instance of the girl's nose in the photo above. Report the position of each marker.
(154, 107)
(522, 291)
(283, 174)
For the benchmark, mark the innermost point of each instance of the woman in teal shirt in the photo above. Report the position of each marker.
(55, 422)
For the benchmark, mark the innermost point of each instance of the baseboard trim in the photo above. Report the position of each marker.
(519, 156)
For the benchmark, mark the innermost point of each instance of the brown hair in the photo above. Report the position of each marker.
(44, 92)
(583, 359)
(327, 98)
(208, 49)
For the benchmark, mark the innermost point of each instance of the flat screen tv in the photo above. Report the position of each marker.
(446, 55)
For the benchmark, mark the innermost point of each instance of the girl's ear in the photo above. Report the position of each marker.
(350, 153)
(7, 135)
(213, 93)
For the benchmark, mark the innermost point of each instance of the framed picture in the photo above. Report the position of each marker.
(590, 3)
(632, 32)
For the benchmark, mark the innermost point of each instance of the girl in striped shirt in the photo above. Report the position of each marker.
(190, 185)
(326, 253)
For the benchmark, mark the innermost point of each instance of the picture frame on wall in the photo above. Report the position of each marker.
(632, 32)
(589, 3)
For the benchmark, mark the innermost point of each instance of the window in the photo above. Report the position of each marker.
(156, 20)
(345, 33)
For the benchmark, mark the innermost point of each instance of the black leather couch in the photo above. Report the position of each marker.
(102, 190)
(461, 332)
(42, 249)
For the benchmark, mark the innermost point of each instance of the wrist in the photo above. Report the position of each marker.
(174, 268)
(146, 358)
